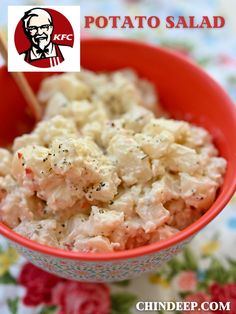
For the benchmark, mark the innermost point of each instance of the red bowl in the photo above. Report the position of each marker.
(187, 92)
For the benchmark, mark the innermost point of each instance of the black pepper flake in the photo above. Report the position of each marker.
(111, 202)
(59, 146)
(103, 184)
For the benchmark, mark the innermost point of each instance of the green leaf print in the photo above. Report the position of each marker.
(202, 286)
(13, 305)
(190, 260)
(122, 302)
(204, 61)
(217, 272)
(123, 283)
(231, 262)
(175, 267)
(7, 279)
(48, 310)
(1, 249)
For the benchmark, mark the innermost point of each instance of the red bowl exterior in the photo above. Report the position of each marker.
(185, 90)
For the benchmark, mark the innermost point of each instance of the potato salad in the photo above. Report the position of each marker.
(106, 169)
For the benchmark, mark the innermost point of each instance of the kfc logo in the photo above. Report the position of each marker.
(44, 39)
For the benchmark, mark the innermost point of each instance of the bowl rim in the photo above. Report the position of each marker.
(188, 232)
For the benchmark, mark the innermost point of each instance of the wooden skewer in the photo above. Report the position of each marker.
(23, 84)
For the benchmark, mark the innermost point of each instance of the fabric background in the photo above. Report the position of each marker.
(206, 270)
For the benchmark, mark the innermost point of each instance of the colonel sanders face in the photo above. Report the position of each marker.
(38, 27)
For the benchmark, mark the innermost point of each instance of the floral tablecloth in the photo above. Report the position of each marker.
(206, 270)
